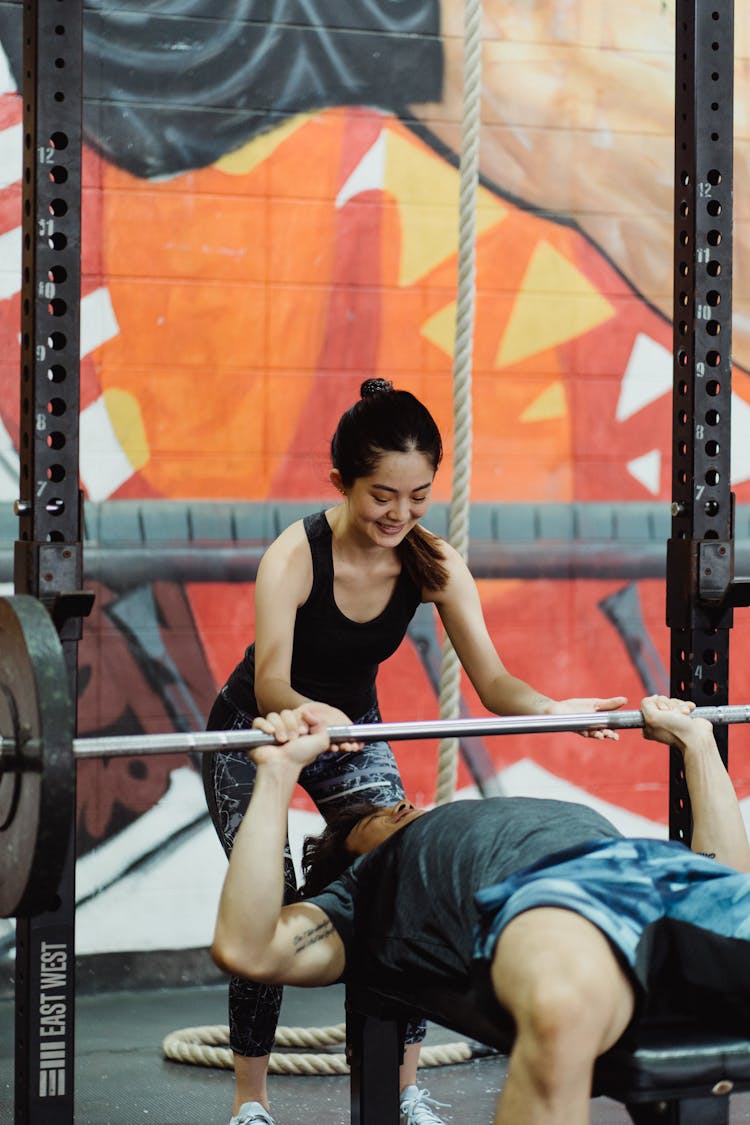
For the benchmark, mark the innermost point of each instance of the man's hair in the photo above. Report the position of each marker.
(326, 857)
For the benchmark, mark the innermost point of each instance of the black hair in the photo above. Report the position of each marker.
(326, 857)
(385, 420)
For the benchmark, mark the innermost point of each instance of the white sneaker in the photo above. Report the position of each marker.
(252, 1113)
(417, 1107)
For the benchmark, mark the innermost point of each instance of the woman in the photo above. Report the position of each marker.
(334, 596)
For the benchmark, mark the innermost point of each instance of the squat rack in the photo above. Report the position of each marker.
(701, 587)
(48, 553)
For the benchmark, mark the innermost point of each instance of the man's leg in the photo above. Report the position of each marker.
(557, 976)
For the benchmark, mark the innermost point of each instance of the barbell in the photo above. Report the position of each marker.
(38, 752)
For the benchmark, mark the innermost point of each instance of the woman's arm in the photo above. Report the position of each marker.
(461, 613)
(256, 936)
(718, 827)
(282, 585)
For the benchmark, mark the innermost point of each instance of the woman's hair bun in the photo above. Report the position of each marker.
(374, 387)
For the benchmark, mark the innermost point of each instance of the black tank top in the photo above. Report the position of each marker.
(334, 659)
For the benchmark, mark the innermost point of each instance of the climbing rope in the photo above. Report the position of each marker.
(458, 524)
(209, 1046)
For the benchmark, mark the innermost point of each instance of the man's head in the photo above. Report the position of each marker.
(378, 825)
(350, 833)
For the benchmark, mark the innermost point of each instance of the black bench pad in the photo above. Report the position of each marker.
(661, 1062)
(673, 1062)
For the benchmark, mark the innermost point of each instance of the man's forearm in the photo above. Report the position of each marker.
(253, 892)
(718, 827)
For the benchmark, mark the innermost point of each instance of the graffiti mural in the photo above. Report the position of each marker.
(270, 200)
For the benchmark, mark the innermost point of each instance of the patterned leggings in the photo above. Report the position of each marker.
(333, 780)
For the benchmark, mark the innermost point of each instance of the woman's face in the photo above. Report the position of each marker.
(386, 505)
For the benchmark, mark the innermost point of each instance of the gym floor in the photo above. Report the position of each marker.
(122, 1078)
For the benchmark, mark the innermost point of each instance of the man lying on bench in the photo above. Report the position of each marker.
(542, 904)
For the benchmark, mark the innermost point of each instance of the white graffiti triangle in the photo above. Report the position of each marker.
(369, 175)
(647, 470)
(647, 377)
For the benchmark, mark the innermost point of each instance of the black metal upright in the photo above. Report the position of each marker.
(48, 560)
(700, 555)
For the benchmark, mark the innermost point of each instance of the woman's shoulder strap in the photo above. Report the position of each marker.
(317, 527)
(320, 538)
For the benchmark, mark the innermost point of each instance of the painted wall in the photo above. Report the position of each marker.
(270, 216)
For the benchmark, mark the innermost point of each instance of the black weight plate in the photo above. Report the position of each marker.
(37, 765)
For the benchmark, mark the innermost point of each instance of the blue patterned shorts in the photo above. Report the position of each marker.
(660, 906)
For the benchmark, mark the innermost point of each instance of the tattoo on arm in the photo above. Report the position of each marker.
(313, 935)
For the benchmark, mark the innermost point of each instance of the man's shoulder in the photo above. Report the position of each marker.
(465, 818)
(496, 806)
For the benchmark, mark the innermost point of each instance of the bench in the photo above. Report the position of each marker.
(672, 1075)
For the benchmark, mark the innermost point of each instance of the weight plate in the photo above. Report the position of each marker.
(37, 766)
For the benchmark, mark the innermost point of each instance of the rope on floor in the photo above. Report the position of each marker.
(209, 1046)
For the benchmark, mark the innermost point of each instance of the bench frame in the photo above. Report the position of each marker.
(670, 1076)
